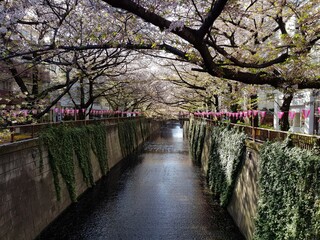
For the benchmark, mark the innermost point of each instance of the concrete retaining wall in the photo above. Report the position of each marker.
(243, 205)
(244, 201)
(28, 200)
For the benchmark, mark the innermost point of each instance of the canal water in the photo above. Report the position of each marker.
(158, 194)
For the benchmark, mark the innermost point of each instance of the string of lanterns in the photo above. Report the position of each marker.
(94, 112)
(66, 111)
(236, 115)
(251, 113)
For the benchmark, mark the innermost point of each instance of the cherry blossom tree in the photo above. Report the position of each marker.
(273, 42)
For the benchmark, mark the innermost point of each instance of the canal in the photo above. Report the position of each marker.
(158, 194)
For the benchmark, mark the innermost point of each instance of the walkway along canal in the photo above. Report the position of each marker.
(161, 196)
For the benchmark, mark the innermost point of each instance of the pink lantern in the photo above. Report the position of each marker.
(305, 113)
(77, 111)
(292, 115)
(319, 110)
(62, 111)
(237, 115)
(241, 114)
(245, 114)
(255, 113)
(280, 114)
(56, 110)
(249, 113)
(262, 114)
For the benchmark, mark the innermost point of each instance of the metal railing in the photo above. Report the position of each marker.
(261, 135)
(29, 131)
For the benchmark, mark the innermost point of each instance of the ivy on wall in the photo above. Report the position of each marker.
(225, 158)
(289, 201)
(225, 161)
(127, 131)
(80, 140)
(144, 128)
(62, 142)
(98, 135)
(289, 182)
(196, 139)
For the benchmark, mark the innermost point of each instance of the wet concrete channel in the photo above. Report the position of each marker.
(158, 194)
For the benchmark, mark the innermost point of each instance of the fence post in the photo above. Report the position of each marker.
(253, 134)
(32, 131)
(11, 134)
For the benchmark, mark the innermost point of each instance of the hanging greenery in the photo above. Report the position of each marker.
(225, 161)
(81, 144)
(62, 142)
(98, 135)
(144, 128)
(289, 202)
(225, 158)
(58, 140)
(127, 136)
(196, 140)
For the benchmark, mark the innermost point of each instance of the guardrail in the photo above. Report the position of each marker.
(257, 134)
(29, 131)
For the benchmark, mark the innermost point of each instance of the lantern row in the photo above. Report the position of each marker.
(94, 112)
(67, 111)
(251, 113)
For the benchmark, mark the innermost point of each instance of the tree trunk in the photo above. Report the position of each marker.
(216, 102)
(284, 122)
(234, 108)
(254, 106)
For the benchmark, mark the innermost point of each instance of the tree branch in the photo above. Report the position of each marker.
(211, 17)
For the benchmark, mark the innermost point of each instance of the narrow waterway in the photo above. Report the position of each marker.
(161, 196)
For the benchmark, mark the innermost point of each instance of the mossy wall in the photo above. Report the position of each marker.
(28, 199)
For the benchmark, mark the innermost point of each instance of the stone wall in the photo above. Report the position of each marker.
(28, 201)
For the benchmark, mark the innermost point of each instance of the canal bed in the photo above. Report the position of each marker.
(158, 194)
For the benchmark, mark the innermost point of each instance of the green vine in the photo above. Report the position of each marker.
(289, 201)
(82, 150)
(225, 161)
(225, 158)
(60, 153)
(62, 142)
(98, 134)
(144, 128)
(127, 131)
(196, 140)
